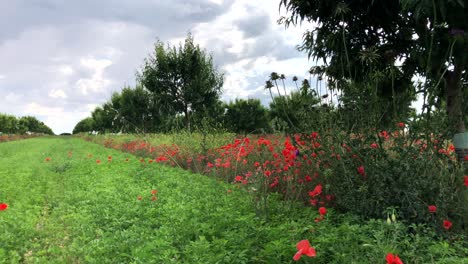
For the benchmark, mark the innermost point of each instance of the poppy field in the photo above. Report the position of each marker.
(65, 200)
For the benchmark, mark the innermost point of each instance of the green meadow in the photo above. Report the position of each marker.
(64, 207)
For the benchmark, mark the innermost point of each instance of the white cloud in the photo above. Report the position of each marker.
(61, 64)
(57, 93)
(97, 82)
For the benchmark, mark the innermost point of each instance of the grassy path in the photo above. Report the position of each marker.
(73, 210)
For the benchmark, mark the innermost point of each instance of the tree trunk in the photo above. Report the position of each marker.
(454, 91)
(187, 119)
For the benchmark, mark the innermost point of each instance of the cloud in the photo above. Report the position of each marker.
(59, 58)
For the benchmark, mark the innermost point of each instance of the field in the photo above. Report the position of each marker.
(72, 201)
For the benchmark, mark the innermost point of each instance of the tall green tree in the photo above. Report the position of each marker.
(8, 124)
(85, 125)
(184, 79)
(391, 41)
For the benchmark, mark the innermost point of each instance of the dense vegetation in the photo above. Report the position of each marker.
(10, 124)
(87, 204)
(342, 166)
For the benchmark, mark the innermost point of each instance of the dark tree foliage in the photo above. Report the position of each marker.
(394, 40)
(12, 125)
(297, 112)
(183, 80)
(84, 126)
(246, 116)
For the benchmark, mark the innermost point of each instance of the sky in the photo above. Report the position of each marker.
(60, 59)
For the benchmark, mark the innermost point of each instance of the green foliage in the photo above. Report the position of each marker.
(12, 125)
(183, 80)
(86, 125)
(75, 210)
(246, 116)
(394, 39)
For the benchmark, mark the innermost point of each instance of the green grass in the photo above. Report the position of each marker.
(73, 210)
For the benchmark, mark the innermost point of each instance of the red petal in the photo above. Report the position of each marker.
(390, 258)
(303, 245)
(298, 255)
(311, 252)
(397, 260)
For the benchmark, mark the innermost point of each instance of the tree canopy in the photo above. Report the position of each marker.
(390, 42)
(182, 80)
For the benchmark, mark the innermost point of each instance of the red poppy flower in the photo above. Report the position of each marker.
(98, 161)
(432, 208)
(447, 224)
(322, 211)
(317, 191)
(304, 248)
(154, 192)
(393, 259)
(374, 145)
(466, 157)
(466, 180)
(154, 198)
(3, 206)
(361, 171)
(47, 159)
(238, 178)
(401, 125)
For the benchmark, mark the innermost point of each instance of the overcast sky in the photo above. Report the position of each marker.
(60, 59)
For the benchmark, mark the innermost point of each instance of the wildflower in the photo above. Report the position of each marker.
(401, 125)
(393, 259)
(317, 191)
(139, 198)
(374, 145)
(154, 192)
(238, 178)
(98, 161)
(466, 180)
(47, 159)
(361, 171)
(432, 208)
(210, 165)
(308, 178)
(304, 248)
(447, 224)
(322, 211)
(3, 206)
(154, 198)
(466, 157)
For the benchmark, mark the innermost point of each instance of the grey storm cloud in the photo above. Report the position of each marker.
(172, 16)
(256, 25)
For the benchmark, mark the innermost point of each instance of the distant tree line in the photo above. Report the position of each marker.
(179, 88)
(10, 124)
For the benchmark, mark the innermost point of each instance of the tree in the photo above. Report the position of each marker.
(183, 80)
(394, 41)
(8, 124)
(32, 124)
(246, 116)
(85, 125)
